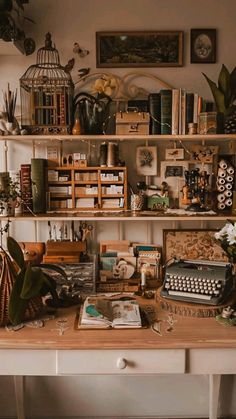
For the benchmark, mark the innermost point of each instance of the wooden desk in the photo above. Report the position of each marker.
(195, 346)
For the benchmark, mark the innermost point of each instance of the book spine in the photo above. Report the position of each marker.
(183, 112)
(166, 111)
(38, 178)
(26, 187)
(175, 111)
(154, 107)
(195, 108)
(189, 109)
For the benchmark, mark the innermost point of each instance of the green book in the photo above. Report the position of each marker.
(38, 179)
(166, 111)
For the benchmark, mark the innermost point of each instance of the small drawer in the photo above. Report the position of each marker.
(212, 361)
(151, 361)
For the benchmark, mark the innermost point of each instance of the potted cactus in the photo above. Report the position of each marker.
(225, 96)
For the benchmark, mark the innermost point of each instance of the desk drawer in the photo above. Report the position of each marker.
(160, 361)
(27, 362)
(212, 361)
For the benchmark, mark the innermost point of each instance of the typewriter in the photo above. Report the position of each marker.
(198, 281)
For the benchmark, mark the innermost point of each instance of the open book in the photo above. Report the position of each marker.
(104, 312)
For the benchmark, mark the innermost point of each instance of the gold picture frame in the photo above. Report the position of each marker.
(139, 49)
(192, 244)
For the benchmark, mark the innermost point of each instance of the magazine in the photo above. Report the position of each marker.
(105, 312)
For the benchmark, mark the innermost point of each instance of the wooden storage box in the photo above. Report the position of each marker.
(132, 123)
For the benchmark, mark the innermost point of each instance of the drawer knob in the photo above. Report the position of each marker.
(121, 363)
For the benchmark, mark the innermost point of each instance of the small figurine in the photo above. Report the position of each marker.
(227, 316)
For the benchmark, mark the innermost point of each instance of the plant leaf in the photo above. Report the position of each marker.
(217, 94)
(50, 266)
(17, 305)
(224, 84)
(233, 84)
(49, 285)
(15, 252)
(32, 284)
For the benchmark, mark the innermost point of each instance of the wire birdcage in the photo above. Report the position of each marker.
(47, 94)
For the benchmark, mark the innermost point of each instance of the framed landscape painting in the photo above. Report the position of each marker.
(139, 49)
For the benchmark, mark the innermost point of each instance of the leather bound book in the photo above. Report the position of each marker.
(26, 187)
(166, 111)
(154, 105)
(189, 109)
(38, 178)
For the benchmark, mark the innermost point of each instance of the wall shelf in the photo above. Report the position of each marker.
(197, 137)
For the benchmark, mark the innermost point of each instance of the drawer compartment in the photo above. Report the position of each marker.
(27, 362)
(212, 361)
(121, 361)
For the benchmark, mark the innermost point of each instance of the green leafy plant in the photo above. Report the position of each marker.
(29, 282)
(225, 93)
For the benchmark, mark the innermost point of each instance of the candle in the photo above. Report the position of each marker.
(143, 278)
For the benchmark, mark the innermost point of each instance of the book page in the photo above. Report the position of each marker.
(126, 314)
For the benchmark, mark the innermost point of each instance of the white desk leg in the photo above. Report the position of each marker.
(19, 396)
(214, 389)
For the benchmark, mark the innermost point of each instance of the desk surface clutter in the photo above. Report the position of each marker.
(185, 332)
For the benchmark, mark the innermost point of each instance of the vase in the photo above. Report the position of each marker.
(76, 130)
(93, 113)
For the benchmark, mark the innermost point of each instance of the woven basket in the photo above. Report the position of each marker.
(6, 283)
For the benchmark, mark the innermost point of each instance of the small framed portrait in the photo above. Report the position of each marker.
(203, 46)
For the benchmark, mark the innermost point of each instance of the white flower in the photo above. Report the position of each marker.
(105, 85)
(232, 234)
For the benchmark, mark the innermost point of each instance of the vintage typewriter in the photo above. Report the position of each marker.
(198, 281)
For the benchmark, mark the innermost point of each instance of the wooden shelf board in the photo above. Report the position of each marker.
(114, 215)
(85, 182)
(117, 195)
(197, 137)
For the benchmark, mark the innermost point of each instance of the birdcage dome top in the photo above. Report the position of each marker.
(48, 68)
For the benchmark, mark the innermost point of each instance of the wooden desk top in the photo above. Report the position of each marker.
(187, 333)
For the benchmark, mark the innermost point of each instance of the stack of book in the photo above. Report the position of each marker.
(172, 110)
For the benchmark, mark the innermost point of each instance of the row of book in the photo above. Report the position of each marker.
(172, 110)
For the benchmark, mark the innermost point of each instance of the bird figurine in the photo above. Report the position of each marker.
(82, 52)
(69, 66)
(83, 72)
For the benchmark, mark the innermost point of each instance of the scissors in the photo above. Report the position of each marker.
(86, 230)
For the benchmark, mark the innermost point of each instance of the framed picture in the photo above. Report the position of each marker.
(203, 46)
(174, 154)
(173, 169)
(202, 153)
(192, 244)
(139, 49)
(146, 161)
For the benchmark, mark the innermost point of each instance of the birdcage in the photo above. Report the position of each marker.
(47, 94)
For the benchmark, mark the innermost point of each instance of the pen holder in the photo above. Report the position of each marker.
(137, 202)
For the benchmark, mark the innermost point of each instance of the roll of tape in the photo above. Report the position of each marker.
(230, 170)
(221, 188)
(223, 164)
(228, 202)
(221, 197)
(228, 186)
(222, 172)
(221, 205)
(229, 178)
(221, 181)
(228, 193)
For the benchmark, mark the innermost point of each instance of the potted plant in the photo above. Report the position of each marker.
(22, 286)
(9, 194)
(225, 95)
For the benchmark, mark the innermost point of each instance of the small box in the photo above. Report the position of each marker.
(156, 202)
(210, 123)
(132, 123)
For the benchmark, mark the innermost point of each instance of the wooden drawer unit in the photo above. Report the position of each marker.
(122, 361)
(27, 362)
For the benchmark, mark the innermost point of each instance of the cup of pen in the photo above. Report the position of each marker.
(137, 202)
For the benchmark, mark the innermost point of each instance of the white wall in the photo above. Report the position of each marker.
(77, 21)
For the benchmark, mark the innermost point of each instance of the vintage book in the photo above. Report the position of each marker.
(175, 112)
(99, 312)
(38, 177)
(26, 187)
(189, 109)
(166, 111)
(182, 109)
(154, 102)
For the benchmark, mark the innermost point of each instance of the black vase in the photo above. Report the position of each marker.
(93, 113)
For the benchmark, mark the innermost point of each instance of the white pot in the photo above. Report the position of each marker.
(4, 209)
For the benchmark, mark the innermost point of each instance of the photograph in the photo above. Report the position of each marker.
(139, 49)
(203, 46)
(192, 244)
